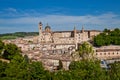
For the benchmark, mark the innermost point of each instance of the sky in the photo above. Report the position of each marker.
(24, 15)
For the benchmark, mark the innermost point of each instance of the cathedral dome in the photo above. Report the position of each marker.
(47, 27)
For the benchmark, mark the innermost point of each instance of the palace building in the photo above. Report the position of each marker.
(65, 37)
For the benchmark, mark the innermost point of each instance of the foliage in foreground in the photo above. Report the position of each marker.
(86, 51)
(21, 68)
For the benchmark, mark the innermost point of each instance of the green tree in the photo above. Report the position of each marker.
(87, 70)
(99, 40)
(106, 30)
(1, 47)
(3, 66)
(26, 59)
(37, 71)
(107, 37)
(10, 51)
(17, 69)
(85, 51)
(61, 75)
(115, 71)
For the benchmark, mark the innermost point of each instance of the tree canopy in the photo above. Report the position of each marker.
(108, 37)
(21, 68)
(1, 47)
(114, 71)
(85, 51)
(87, 69)
(10, 50)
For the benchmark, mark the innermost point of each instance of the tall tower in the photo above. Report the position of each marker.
(75, 41)
(40, 30)
(83, 34)
(74, 32)
(82, 29)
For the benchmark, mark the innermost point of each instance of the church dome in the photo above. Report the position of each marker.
(47, 27)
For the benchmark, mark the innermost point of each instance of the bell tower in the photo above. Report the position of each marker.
(40, 30)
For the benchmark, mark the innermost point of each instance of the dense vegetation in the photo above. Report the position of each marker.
(85, 51)
(17, 34)
(14, 66)
(108, 37)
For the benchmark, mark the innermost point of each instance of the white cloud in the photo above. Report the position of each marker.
(11, 9)
(108, 18)
(57, 22)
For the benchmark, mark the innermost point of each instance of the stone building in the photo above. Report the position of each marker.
(108, 52)
(65, 37)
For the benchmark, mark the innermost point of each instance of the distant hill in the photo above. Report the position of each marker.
(17, 35)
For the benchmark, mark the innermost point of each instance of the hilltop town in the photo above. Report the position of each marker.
(51, 46)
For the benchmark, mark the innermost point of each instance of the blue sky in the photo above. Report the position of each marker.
(24, 15)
